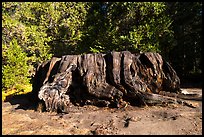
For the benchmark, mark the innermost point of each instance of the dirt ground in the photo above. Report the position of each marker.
(91, 120)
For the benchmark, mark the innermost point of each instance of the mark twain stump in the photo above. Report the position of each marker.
(111, 79)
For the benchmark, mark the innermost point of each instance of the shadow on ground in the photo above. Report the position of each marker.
(30, 101)
(24, 101)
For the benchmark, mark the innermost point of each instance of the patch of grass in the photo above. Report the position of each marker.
(17, 90)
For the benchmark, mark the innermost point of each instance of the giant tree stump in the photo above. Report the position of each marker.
(104, 80)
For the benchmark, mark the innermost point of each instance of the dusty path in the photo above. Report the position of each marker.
(90, 120)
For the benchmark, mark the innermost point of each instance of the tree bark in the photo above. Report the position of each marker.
(104, 80)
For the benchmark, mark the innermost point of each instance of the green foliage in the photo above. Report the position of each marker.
(37, 31)
(24, 27)
(185, 51)
(68, 27)
(15, 68)
(135, 26)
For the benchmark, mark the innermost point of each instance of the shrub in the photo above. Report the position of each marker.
(15, 68)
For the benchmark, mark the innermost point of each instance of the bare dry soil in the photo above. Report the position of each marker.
(90, 120)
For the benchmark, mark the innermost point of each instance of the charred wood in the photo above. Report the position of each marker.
(105, 80)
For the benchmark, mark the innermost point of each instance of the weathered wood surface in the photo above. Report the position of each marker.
(111, 79)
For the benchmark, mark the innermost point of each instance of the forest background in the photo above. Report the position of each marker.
(33, 32)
